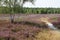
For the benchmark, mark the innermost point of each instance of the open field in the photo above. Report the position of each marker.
(29, 27)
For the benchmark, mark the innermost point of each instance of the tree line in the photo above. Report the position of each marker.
(41, 10)
(30, 10)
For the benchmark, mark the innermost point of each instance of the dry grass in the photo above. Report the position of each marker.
(48, 35)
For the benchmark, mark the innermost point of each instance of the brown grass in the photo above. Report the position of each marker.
(48, 35)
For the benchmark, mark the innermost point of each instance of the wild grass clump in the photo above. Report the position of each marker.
(48, 35)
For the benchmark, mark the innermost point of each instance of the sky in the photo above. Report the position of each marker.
(43, 4)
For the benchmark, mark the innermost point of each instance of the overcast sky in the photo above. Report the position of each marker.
(44, 3)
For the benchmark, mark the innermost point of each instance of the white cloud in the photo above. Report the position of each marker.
(28, 4)
(44, 3)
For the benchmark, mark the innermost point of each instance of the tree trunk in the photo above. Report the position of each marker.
(12, 18)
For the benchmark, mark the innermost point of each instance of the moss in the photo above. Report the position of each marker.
(2, 38)
(7, 38)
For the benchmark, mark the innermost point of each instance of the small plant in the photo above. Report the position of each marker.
(15, 29)
(54, 18)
